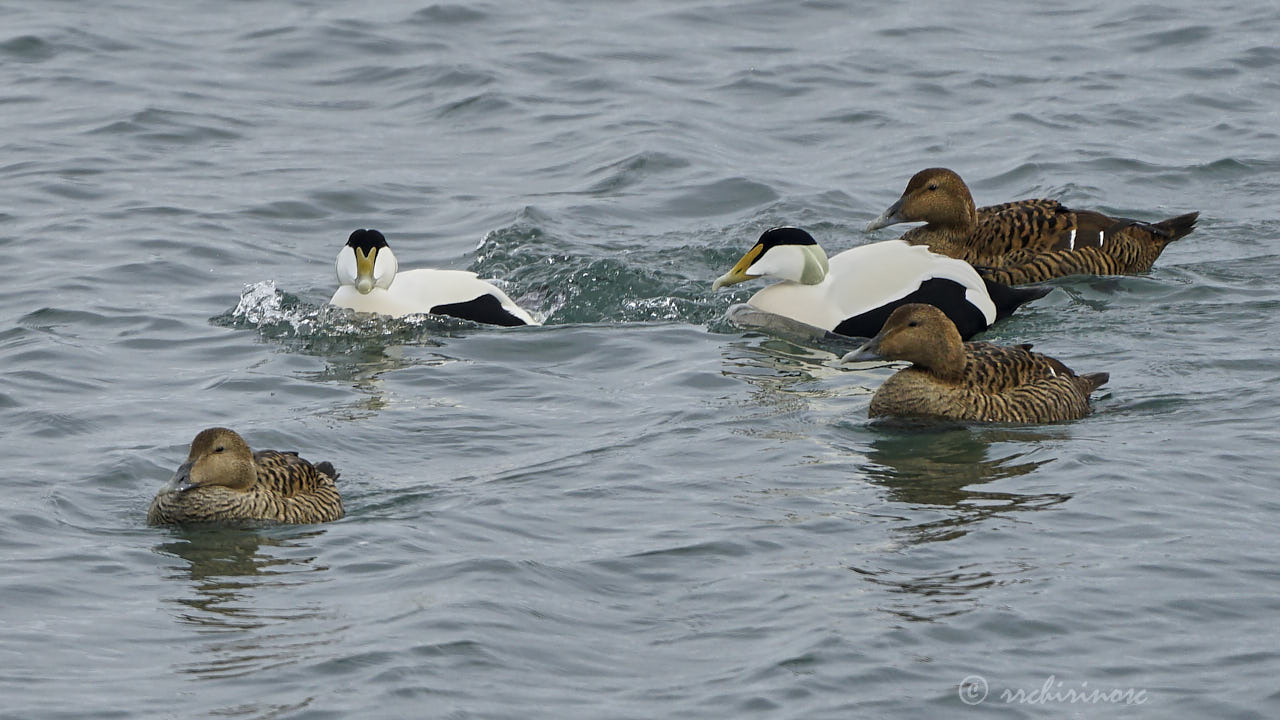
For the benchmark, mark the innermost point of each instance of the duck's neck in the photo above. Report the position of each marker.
(959, 216)
(954, 239)
(945, 360)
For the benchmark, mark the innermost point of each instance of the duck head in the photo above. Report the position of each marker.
(366, 262)
(936, 196)
(920, 334)
(218, 456)
(785, 253)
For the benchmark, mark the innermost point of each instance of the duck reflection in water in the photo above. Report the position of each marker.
(363, 367)
(228, 582)
(929, 471)
(936, 465)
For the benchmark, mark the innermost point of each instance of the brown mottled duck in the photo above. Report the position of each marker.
(1026, 241)
(976, 381)
(224, 482)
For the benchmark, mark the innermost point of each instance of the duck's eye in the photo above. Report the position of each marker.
(932, 186)
(913, 323)
(219, 449)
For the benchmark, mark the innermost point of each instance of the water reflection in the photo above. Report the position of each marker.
(932, 471)
(940, 465)
(772, 365)
(236, 588)
(932, 596)
(744, 317)
(363, 368)
(784, 379)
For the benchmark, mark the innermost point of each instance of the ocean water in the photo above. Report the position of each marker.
(640, 509)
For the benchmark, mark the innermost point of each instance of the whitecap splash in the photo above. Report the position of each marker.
(277, 314)
(259, 301)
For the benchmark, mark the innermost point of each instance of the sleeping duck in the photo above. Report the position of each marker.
(223, 481)
(1027, 240)
(367, 273)
(977, 381)
(854, 291)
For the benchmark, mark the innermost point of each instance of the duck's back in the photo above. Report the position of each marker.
(1000, 384)
(1011, 232)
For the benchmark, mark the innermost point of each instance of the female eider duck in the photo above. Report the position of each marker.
(977, 381)
(223, 481)
(854, 292)
(1027, 240)
(367, 273)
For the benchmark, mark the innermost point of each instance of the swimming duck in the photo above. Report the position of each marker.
(977, 381)
(854, 291)
(223, 481)
(367, 273)
(1027, 240)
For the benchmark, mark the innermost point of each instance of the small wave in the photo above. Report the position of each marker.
(652, 281)
(447, 14)
(27, 48)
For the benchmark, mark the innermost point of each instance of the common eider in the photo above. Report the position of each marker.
(1027, 240)
(976, 381)
(370, 282)
(854, 291)
(224, 482)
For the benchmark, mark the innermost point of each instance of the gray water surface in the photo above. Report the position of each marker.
(638, 510)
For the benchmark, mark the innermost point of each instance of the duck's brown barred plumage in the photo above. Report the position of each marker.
(1028, 240)
(223, 482)
(973, 381)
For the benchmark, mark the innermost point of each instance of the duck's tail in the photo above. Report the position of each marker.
(1007, 299)
(327, 468)
(1092, 381)
(1176, 227)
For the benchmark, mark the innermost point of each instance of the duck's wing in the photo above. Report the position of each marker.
(1035, 240)
(867, 283)
(1013, 232)
(458, 293)
(1015, 384)
(999, 368)
(287, 474)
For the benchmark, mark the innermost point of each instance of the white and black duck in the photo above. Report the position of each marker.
(370, 281)
(854, 291)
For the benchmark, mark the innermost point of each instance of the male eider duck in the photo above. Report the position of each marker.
(977, 381)
(223, 481)
(367, 273)
(854, 291)
(1027, 240)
